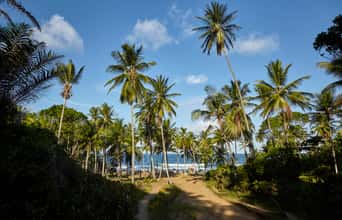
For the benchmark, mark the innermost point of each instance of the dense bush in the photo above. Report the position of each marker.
(302, 183)
(40, 182)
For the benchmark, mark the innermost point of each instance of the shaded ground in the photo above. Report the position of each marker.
(207, 204)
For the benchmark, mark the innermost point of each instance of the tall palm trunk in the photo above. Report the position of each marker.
(285, 129)
(184, 158)
(61, 121)
(133, 146)
(87, 157)
(152, 159)
(177, 154)
(164, 152)
(240, 96)
(95, 161)
(103, 161)
(334, 157)
(271, 132)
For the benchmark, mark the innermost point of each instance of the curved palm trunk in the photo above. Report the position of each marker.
(133, 146)
(61, 121)
(164, 152)
(240, 96)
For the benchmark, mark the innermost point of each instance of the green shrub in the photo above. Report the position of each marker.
(39, 181)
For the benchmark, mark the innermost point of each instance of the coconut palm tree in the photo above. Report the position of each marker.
(215, 107)
(217, 29)
(106, 120)
(183, 135)
(205, 145)
(94, 114)
(326, 107)
(279, 95)
(129, 67)
(20, 8)
(234, 123)
(163, 105)
(146, 117)
(68, 76)
(334, 68)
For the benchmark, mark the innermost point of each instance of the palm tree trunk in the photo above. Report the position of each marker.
(285, 130)
(61, 121)
(184, 158)
(95, 161)
(239, 93)
(133, 146)
(87, 158)
(177, 160)
(152, 160)
(103, 162)
(334, 157)
(164, 151)
(271, 132)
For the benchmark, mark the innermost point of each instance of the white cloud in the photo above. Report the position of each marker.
(57, 33)
(151, 34)
(254, 44)
(182, 19)
(196, 79)
(200, 125)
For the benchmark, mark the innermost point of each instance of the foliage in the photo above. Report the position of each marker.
(25, 66)
(40, 181)
(282, 173)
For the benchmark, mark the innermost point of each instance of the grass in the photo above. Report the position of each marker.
(168, 205)
(265, 207)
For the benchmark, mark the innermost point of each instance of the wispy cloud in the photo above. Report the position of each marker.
(196, 79)
(182, 19)
(59, 34)
(256, 44)
(151, 34)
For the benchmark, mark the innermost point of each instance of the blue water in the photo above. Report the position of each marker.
(172, 162)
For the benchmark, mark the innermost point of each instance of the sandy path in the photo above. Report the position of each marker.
(208, 205)
(143, 204)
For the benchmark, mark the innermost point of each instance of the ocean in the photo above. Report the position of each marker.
(144, 164)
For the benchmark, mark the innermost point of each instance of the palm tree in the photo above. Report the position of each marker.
(205, 146)
(95, 121)
(215, 107)
(218, 30)
(129, 67)
(323, 118)
(183, 135)
(163, 105)
(146, 117)
(25, 66)
(68, 76)
(278, 95)
(334, 68)
(234, 124)
(106, 120)
(20, 8)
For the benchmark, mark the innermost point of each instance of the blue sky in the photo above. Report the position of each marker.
(87, 32)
